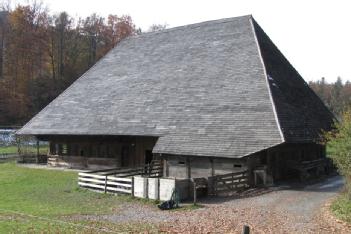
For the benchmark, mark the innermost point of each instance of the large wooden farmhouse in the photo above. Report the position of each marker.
(207, 99)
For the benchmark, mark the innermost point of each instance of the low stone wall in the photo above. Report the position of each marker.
(79, 162)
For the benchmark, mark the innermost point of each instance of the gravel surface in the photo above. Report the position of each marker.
(283, 209)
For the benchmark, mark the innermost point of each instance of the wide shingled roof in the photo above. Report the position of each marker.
(204, 89)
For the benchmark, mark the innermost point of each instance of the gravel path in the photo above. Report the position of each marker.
(289, 209)
(284, 209)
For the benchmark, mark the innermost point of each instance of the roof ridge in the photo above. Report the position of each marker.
(266, 79)
(194, 25)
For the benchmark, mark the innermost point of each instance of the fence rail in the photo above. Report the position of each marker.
(118, 180)
(230, 182)
(105, 183)
(7, 157)
(154, 169)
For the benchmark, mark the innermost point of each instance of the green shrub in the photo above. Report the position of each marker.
(341, 207)
(339, 148)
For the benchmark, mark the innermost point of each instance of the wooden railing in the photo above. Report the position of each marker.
(154, 169)
(230, 182)
(105, 183)
(307, 169)
(7, 157)
(118, 180)
(32, 159)
(306, 165)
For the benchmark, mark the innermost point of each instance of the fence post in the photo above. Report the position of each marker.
(215, 185)
(37, 160)
(195, 192)
(132, 186)
(233, 182)
(246, 229)
(105, 190)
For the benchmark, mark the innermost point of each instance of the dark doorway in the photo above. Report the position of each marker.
(263, 158)
(148, 156)
(124, 156)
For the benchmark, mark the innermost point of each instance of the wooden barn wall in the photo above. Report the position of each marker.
(99, 152)
(197, 167)
(278, 158)
(177, 167)
(274, 159)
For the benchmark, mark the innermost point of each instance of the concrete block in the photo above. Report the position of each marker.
(166, 188)
(167, 185)
(140, 187)
(153, 188)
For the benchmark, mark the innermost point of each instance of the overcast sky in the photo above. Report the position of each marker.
(314, 35)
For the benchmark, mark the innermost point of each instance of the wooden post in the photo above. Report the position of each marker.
(105, 190)
(233, 182)
(194, 192)
(215, 185)
(37, 160)
(132, 188)
(18, 141)
(246, 229)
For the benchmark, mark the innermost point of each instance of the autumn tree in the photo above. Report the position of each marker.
(157, 27)
(335, 95)
(42, 54)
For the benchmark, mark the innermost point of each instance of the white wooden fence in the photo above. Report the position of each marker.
(118, 180)
(105, 183)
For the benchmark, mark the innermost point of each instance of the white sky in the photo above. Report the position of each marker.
(315, 35)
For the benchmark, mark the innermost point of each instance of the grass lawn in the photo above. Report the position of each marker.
(8, 150)
(341, 207)
(39, 200)
(43, 149)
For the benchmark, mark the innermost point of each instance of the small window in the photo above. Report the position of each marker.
(237, 165)
(181, 163)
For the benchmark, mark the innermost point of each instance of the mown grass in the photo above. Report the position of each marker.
(43, 149)
(341, 207)
(39, 200)
(8, 150)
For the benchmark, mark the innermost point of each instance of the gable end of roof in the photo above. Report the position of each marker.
(266, 79)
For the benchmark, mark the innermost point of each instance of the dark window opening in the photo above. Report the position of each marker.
(181, 163)
(237, 165)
